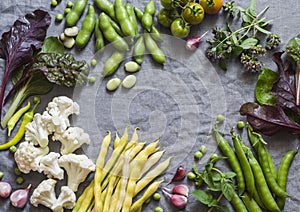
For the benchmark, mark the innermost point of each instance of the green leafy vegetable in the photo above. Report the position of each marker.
(53, 45)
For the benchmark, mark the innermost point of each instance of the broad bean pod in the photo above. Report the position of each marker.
(147, 19)
(112, 63)
(75, 13)
(106, 6)
(132, 18)
(99, 44)
(156, 53)
(139, 50)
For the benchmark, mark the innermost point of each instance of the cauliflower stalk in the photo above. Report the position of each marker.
(71, 139)
(44, 194)
(49, 166)
(77, 167)
(28, 156)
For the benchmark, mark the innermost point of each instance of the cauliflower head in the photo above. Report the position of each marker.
(57, 113)
(49, 166)
(72, 139)
(77, 167)
(28, 156)
(36, 131)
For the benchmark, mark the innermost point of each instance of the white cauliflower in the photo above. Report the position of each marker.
(57, 113)
(37, 132)
(77, 167)
(28, 156)
(49, 166)
(44, 194)
(71, 139)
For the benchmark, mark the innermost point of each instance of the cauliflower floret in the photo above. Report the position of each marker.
(44, 194)
(77, 167)
(71, 139)
(57, 113)
(49, 166)
(28, 156)
(36, 131)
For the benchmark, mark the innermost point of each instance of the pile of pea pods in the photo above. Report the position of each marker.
(116, 24)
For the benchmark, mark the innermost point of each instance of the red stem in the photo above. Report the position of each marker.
(298, 88)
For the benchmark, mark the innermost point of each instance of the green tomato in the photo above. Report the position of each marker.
(166, 17)
(194, 13)
(180, 28)
(167, 4)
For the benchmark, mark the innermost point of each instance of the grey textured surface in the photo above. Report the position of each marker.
(177, 102)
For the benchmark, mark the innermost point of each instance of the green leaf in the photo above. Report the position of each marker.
(229, 175)
(227, 189)
(205, 198)
(234, 39)
(216, 176)
(248, 43)
(246, 18)
(293, 48)
(223, 64)
(252, 8)
(237, 51)
(227, 28)
(264, 84)
(262, 30)
(53, 45)
(264, 24)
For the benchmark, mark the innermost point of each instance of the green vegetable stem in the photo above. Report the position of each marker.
(15, 118)
(87, 28)
(75, 13)
(28, 117)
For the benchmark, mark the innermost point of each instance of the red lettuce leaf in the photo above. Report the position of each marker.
(268, 119)
(18, 45)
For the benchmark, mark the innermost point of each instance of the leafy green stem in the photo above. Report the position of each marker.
(218, 200)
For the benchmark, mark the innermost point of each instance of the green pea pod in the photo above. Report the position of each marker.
(147, 19)
(258, 200)
(250, 204)
(87, 28)
(75, 13)
(99, 37)
(112, 63)
(132, 18)
(139, 50)
(15, 118)
(107, 7)
(283, 174)
(156, 53)
(110, 33)
(238, 204)
(123, 19)
(28, 117)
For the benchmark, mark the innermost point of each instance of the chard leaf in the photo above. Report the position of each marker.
(53, 45)
(264, 84)
(248, 43)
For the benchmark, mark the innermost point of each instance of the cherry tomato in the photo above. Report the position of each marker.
(180, 28)
(193, 13)
(166, 17)
(167, 4)
(211, 6)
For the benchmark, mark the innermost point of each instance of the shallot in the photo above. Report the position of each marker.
(193, 43)
(5, 189)
(180, 189)
(19, 197)
(179, 201)
(179, 175)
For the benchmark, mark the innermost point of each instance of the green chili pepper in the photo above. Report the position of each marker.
(110, 33)
(132, 18)
(283, 174)
(88, 26)
(139, 50)
(156, 53)
(75, 13)
(112, 63)
(28, 117)
(99, 45)
(147, 19)
(107, 7)
(15, 118)
(123, 19)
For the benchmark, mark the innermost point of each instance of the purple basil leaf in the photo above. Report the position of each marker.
(268, 119)
(18, 45)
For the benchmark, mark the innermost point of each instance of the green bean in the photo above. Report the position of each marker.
(147, 194)
(261, 184)
(15, 118)
(117, 140)
(263, 159)
(232, 159)
(246, 168)
(111, 185)
(87, 201)
(106, 6)
(112, 63)
(238, 204)
(152, 160)
(132, 18)
(159, 169)
(83, 196)
(139, 50)
(156, 53)
(154, 31)
(99, 44)
(121, 15)
(250, 204)
(283, 174)
(134, 139)
(87, 28)
(110, 33)
(75, 13)
(147, 19)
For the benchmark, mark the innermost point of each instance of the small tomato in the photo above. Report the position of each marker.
(166, 17)
(193, 13)
(211, 6)
(180, 28)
